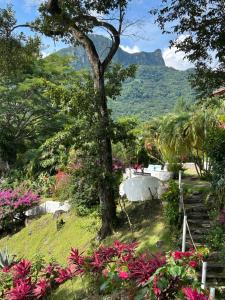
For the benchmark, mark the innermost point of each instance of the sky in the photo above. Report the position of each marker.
(143, 35)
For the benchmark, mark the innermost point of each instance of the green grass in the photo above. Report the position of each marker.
(42, 237)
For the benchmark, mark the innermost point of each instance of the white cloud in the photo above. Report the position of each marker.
(134, 49)
(32, 3)
(175, 59)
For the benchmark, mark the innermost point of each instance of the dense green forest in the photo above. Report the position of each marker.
(155, 88)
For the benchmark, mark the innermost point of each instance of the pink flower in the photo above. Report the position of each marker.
(41, 288)
(193, 294)
(123, 275)
(21, 291)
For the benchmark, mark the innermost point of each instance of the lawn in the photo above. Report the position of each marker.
(42, 237)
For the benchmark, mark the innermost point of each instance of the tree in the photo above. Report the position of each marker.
(185, 135)
(73, 21)
(27, 114)
(199, 27)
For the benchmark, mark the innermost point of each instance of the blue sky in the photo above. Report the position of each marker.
(142, 36)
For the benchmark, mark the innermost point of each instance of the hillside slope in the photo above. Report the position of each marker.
(41, 237)
(155, 88)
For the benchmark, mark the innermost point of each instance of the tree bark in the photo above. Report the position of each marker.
(106, 191)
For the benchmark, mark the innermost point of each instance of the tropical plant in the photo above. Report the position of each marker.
(6, 259)
(116, 268)
(185, 135)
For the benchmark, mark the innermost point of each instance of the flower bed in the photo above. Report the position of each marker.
(115, 268)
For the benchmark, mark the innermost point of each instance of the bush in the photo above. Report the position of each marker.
(216, 235)
(175, 168)
(171, 209)
(13, 205)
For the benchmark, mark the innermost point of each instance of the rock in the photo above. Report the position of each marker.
(160, 244)
(58, 213)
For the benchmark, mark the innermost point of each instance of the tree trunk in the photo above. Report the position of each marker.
(106, 191)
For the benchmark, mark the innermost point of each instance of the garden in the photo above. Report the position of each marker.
(66, 230)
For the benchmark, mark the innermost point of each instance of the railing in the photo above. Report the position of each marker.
(186, 227)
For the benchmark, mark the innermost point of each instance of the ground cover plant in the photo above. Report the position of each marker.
(118, 267)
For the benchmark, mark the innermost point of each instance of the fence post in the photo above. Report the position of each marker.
(184, 233)
(204, 271)
(212, 294)
(180, 177)
(181, 200)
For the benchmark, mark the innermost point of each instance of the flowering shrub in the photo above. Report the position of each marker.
(193, 294)
(178, 272)
(113, 268)
(13, 205)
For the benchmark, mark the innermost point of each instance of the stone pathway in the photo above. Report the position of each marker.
(199, 223)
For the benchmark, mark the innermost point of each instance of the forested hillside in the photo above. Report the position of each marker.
(153, 91)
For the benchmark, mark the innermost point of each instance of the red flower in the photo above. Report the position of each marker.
(179, 255)
(193, 294)
(193, 264)
(41, 288)
(21, 291)
(22, 269)
(123, 275)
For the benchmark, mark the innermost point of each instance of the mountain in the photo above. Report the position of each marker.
(155, 88)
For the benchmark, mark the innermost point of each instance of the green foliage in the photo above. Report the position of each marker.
(215, 147)
(171, 208)
(6, 259)
(175, 168)
(145, 95)
(215, 237)
(17, 52)
(183, 135)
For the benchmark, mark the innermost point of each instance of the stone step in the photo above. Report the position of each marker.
(198, 215)
(216, 267)
(195, 207)
(198, 238)
(198, 230)
(214, 256)
(196, 223)
(192, 200)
